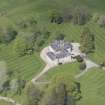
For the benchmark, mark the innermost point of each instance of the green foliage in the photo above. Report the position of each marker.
(101, 21)
(80, 16)
(95, 17)
(92, 87)
(7, 35)
(3, 77)
(43, 36)
(87, 41)
(5, 103)
(56, 17)
(26, 23)
(62, 90)
(20, 85)
(79, 58)
(33, 95)
(82, 66)
(59, 96)
(30, 65)
(60, 37)
(102, 64)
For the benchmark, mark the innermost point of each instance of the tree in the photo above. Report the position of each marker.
(20, 85)
(46, 34)
(3, 75)
(67, 15)
(79, 58)
(101, 21)
(35, 37)
(55, 17)
(7, 35)
(58, 96)
(95, 17)
(62, 91)
(33, 95)
(17, 85)
(20, 46)
(102, 64)
(80, 16)
(60, 37)
(87, 41)
(6, 86)
(14, 85)
(41, 39)
(82, 66)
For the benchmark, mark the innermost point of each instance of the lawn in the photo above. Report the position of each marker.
(5, 103)
(71, 68)
(93, 88)
(40, 10)
(28, 66)
(73, 32)
(92, 83)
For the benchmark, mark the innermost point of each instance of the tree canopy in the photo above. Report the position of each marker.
(87, 41)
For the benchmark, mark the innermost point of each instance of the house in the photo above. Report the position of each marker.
(60, 50)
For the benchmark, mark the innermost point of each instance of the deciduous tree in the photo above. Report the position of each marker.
(87, 41)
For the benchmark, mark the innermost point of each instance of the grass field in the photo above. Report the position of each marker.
(73, 33)
(92, 83)
(93, 88)
(5, 103)
(40, 10)
(72, 69)
(28, 66)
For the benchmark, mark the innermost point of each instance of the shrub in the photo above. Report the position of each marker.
(102, 64)
(101, 21)
(7, 35)
(95, 17)
(56, 17)
(82, 66)
(79, 58)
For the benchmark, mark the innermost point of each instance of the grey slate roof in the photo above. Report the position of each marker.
(59, 55)
(51, 55)
(62, 54)
(60, 45)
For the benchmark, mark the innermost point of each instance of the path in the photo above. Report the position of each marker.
(49, 63)
(48, 66)
(7, 99)
(89, 64)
